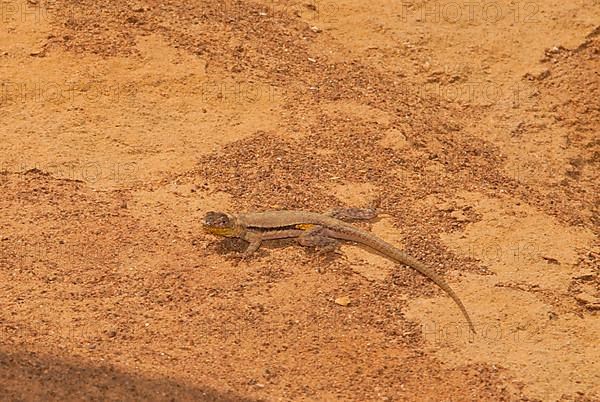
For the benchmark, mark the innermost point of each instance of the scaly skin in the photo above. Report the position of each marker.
(259, 226)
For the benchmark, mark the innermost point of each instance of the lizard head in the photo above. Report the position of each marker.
(221, 224)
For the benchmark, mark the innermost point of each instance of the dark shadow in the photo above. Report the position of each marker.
(26, 376)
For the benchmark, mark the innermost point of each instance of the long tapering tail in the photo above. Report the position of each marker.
(357, 235)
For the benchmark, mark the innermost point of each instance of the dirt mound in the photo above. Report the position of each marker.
(127, 120)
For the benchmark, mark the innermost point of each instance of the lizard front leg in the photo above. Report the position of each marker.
(254, 241)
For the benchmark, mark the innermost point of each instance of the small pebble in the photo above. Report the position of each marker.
(343, 301)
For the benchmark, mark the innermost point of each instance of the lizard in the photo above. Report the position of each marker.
(315, 229)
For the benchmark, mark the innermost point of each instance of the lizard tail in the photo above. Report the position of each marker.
(354, 234)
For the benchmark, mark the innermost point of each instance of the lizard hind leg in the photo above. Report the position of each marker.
(354, 214)
(316, 237)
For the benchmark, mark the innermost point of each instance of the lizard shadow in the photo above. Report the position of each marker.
(232, 248)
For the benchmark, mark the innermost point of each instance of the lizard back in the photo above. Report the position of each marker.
(277, 219)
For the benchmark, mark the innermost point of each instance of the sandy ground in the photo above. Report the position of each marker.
(474, 126)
